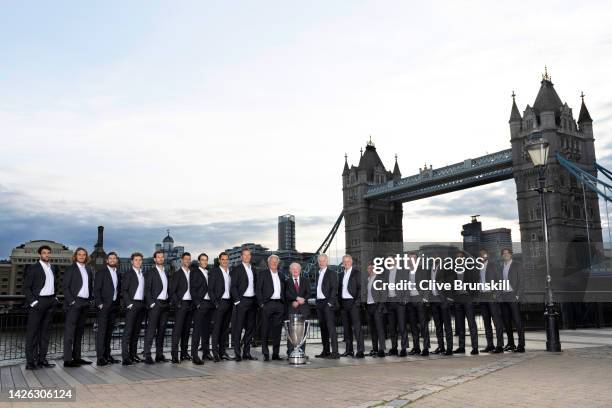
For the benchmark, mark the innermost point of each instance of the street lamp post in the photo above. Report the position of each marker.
(538, 152)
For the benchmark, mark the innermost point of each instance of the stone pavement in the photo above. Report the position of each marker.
(579, 376)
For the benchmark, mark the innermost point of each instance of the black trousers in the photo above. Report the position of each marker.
(222, 317)
(244, 317)
(491, 311)
(442, 320)
(134, 317)
(74, 327)
(465, 309)
(183, 317)
(304, 311)
(272, 326)
(419, 326)
(376, 324)
(327, 324)
(106, 324)
(202, 319)
(351, 322)
(511, 314)
(38, 329)
(156, 328)
(396, 314)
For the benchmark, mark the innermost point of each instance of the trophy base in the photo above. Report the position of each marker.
(297, 360)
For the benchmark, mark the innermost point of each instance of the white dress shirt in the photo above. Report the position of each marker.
(434, 272)
(370, 282)
(84, 292)
(345, 281)
(250, 290)
(48, 288)
(483, 274)
(506, 271)
(392, 273)
(163, 295)
(205, 273)
(187, 295)
(228, 280)
(139, 294)
(320, 294)
(113, 273)
(412, 279)
(277, 285)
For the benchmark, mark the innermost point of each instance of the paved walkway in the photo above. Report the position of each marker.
(580, 376)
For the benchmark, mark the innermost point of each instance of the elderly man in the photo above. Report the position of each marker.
(349, 294)
(297, 293)
(327, 303)
(270, 292)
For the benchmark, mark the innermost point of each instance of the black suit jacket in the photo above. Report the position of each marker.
(442, 276)
(515, 276)
(265, 287)
(154, 286)
(198, 285)
(240, 281)
(354, 285)
(129, 285)
(104, 288)
(329, 286)
(470, 275)
(216, 285)
(178, 286)
(291, 295)
(35, 279)
(73, 282)
(400, 275)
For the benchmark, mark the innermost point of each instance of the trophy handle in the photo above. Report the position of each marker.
(306, 327)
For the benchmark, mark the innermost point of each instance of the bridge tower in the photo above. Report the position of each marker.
(573, 218)
(368, 222)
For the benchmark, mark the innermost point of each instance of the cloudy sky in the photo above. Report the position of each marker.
(212, 118)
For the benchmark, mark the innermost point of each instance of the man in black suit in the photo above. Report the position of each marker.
(512, 273)
(489, 306)
(464, 303)
(219, 282)
(270, 290)
(397, 301)
(157, 297)
(244, 278)
(375, 296)
(180, 296)
(132, 293)
(438, 299)
(349, 294)
(106, 298)
(297, 293)
(203, 312)
(327, 304)
(417, 313)
(77, 287)
(39, 290)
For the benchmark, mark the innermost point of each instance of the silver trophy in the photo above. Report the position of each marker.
(297, 330)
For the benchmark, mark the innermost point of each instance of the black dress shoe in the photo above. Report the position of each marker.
(497, 350)
(347, 354)
(333, 356)
(83, 362)
(509, 347)
(176, 360)
(208, 357)
(276, 357)
(373, 353)
(185, 357)
(519, 349)
(149, 361)
(322, 355)
(46, 364)
(31, 366)
(360, 355)
(448, 352)
(136, 359)
(102, 362)
(392, 352)
(197, 361)
(488, 349)
(112, 360)
(439, 350)
(425, 353)
(71, 363)
(238, 358)
(226, 356)
(414, 352)
(459, 350)
(403, 353)
(474, 351)
(249, 357)
(161, 359)
(216, 358)
(381, 354)
(127, 362)
(266, 357)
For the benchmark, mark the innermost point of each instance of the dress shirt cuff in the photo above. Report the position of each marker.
(34, 303)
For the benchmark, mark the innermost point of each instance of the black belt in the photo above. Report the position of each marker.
(248, 297)
(82, 298)
(275, 300)
(46, 296)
